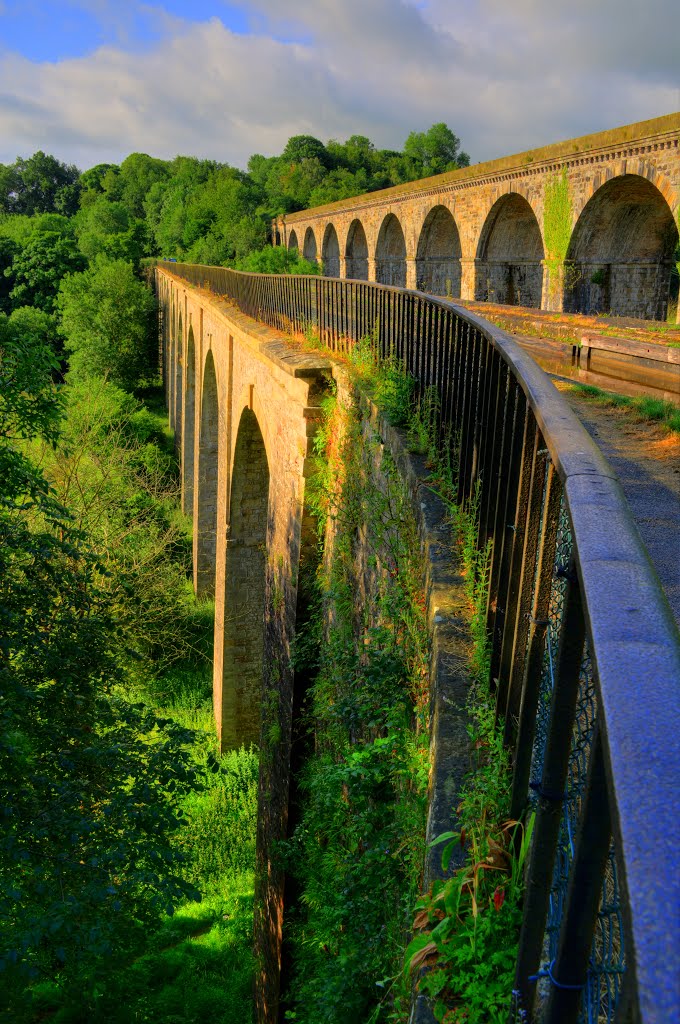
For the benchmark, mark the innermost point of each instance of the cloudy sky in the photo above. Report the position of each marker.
(93, 80)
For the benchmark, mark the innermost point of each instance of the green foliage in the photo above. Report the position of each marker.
(199, 211)
(557, 224)
(136, 176)
(29, 403)
(39, 184)
(357, 851)
(276, 259)
(107, 321)
(206, 213)
(88, 782)
(50, 253)
(8, 250)
(106, 228)
(117, 474)
(433, 152)
(468, 924)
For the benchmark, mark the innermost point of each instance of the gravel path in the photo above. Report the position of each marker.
(646, 460)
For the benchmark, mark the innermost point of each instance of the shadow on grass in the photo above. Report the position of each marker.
(198, 967)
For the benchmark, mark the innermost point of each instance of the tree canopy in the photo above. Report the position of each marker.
(106, 316)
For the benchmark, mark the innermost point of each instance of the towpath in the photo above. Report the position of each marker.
(646, 459)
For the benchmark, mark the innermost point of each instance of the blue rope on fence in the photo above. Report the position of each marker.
(547, 972)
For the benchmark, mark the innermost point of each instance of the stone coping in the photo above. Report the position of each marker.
(270, 342)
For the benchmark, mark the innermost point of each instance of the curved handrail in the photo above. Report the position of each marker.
(578, 622)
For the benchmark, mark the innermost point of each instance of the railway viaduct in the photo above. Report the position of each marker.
(588, 225)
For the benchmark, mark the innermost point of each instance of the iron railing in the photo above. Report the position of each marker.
(585, 654)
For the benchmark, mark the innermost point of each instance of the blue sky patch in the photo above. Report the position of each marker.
(53, 30)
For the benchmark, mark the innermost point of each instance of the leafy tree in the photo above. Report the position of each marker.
(18, 227)
(40, 184)
(50, 253)
(106, 228)
(88, 783)
(276, 259)
(8, 252)
(10, 187)
(289, 185)
(33, 327)
(100, 180)
(433, 152)
(305, 147)
(138, 172)
(340, 184)
(92, 179)
(221, 223)
(107, 321)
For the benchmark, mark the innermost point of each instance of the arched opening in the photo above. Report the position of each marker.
(172, 360)
(330, 253)
(179, 360)
(245, 587)
(309, 248)
(438, 268)
(356, 252)
(205, 526)
(620, 257)
(390, 253)
(292, 241)
(188, 432)
(509, 255)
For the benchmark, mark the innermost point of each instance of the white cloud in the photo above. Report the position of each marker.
(504, 76)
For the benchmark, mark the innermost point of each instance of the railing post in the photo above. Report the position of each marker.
(569, 971)
(551, 791)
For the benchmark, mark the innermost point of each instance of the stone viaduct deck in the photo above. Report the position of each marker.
(589, 225)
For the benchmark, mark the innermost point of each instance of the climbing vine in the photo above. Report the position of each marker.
(557, 225)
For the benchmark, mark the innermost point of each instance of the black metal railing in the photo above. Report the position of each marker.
(585, 654)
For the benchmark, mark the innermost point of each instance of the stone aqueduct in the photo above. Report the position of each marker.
(244, 404)
(485, 232)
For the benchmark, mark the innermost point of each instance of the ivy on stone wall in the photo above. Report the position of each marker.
(557, 224)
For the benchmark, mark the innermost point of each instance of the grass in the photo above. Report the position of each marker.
(642, 408)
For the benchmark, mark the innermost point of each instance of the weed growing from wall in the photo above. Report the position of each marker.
(467, 927)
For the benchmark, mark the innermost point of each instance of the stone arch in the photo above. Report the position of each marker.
(189, 427)
(390, 253)
(620, 257)
(330, 252)
(356, 252)
(205, 520)
(292, 240)
(309, 247)
(438, 266)
(245, 587)
(178, 369)
(510, 254)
